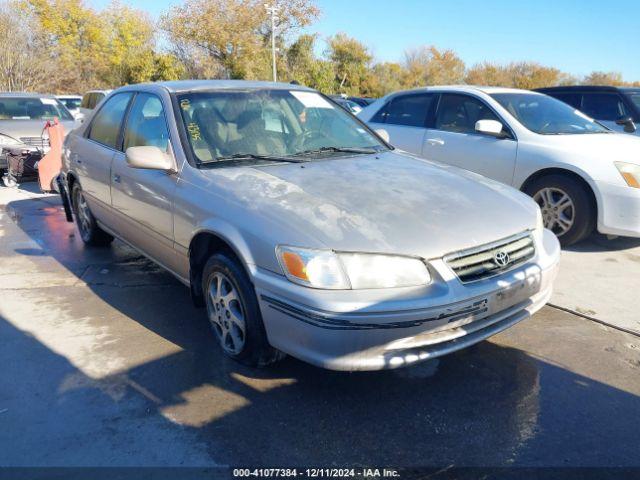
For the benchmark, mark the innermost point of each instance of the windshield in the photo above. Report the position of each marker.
(635, 98)
(32, 108)
(546, 115)
(228, 125)
(71, 103)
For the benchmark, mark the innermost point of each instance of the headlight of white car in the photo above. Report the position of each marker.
(630, 172)
(340, 271)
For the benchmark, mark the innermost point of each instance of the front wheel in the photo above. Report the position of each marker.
(566, 206)
(90, 232)
(234, 314)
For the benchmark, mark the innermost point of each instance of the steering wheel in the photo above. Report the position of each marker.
(303, 142)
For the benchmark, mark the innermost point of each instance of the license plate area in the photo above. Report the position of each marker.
(515, 293)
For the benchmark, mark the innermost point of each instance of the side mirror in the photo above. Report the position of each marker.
(490, 127)
(382, 133)
(149, 158)
(629, 126)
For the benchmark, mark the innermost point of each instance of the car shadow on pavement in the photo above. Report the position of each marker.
(597, 242)
(488, 405)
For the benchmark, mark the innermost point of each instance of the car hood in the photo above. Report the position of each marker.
(388, 202)
(605, 146)
(29, 128)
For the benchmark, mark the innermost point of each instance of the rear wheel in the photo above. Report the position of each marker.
(90, 232)
(567, 208)
(233, 312)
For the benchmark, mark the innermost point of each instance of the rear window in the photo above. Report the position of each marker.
(32, 108)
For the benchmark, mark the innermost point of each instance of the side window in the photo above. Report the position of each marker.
(459, 113)
(381, 115)
(573, 99)
(409, 110)
(146, 124)
(85, 101)
(106, 124)
(603, 106)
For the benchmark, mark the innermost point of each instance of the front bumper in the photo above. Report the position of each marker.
(619, 210)
(390, 328)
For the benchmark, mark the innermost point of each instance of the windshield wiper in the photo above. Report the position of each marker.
(363, 151)
(253, 156)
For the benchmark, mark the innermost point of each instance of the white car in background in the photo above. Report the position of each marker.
(90, 101)
(583, 175)
(72, 102)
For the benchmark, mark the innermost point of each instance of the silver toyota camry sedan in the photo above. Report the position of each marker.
(300, 230)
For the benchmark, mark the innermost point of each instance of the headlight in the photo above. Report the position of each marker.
(6, 140)
(630, 172)
(330, 270)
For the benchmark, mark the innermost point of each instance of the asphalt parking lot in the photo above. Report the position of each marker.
(105, 362)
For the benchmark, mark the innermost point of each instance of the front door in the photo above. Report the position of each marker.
(143, 199)
(453, 139)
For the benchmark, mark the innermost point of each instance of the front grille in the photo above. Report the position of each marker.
(39, 142)
(492, 259)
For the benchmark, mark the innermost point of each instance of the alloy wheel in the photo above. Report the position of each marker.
(558, 210)
(84, 215)
(226, 313)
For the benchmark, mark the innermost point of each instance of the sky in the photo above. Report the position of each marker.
(575, 36)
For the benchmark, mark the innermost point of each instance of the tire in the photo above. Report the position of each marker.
(567, 207)
(90, 232)
(224, 279)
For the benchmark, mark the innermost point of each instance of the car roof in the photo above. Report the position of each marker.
(579, 88)
(191, 85)
(463, 89)
(25, 95)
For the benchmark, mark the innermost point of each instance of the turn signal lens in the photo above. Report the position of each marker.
(330, 270)
(312, 268)
(630, 172)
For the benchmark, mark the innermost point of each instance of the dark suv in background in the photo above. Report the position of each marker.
(616, 108)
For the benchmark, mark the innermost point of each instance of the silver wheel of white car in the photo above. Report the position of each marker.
(226, 313)
(567, 206)
(558, 211)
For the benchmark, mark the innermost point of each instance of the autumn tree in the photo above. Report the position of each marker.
(384, 78)
(23, 65)
(604, 78)
(230, 38)
(427, 65)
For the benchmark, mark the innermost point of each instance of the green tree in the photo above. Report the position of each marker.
(351, 60)
(305, 68)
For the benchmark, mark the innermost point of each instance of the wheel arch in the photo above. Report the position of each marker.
(578, 176)
(71, 181)
(204, 244)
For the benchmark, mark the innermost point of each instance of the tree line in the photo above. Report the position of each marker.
(66, 46)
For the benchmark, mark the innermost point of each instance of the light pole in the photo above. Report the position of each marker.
(273, 10)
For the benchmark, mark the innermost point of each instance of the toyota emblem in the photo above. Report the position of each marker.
(501, 258)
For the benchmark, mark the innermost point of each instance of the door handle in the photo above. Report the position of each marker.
(435, 141)
(116, 178)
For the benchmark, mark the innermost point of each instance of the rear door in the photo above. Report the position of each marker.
(143, 199)
(404, 118)
(453, 139)
(91, 154)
